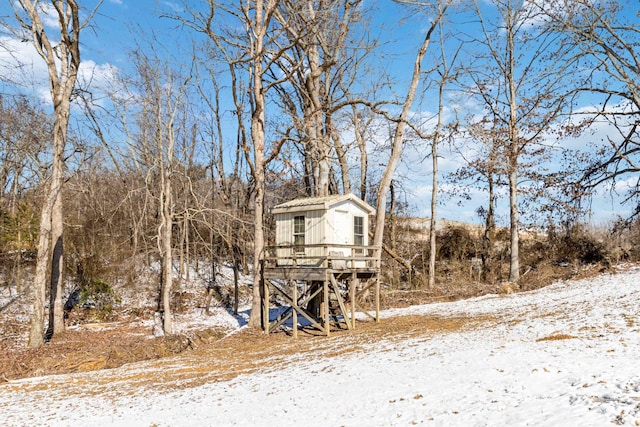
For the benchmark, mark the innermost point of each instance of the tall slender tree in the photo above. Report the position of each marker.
(520, 80)
(439, 8)
(446, 74)
(244, 36)
(62, 59)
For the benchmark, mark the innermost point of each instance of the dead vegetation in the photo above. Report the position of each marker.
(87, 349)
(557, 337)
(207, 355)
(467, 265)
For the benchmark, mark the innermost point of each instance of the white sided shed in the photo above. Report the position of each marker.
(307, 230)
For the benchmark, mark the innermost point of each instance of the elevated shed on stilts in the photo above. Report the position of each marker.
(322, 267)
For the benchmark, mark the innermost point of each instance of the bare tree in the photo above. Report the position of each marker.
(362, 121)
(162, 126)
(62, 59)
(326, 56)
(251, 50)
(520, 79)
(604, 37)
(398, 138)
(249, 47)
(483, 170)
(24, 129)
(446, 74)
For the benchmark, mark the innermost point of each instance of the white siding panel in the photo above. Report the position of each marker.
(284, 236)
(315, 234)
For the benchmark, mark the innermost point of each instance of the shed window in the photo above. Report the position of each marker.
(358, 232)
(298, 233)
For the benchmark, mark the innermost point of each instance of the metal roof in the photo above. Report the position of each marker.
(320, 203)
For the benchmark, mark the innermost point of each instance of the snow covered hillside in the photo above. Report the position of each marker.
(565, 355)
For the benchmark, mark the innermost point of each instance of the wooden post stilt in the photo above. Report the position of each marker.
(317, 302)
(377, 288)
(352, 295)
(265, 299)
(295, 309)
(325, 290)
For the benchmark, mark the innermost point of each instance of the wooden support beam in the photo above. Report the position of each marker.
(361, 264)
(377, 299)
(327, 323)
(295, 309)
(353, 288)
(295, 306)
(365, 288)
(362, 291)
(282, 317)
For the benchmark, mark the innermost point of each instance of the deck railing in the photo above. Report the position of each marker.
(333, 256)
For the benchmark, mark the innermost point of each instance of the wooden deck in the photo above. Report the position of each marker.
(317, 273)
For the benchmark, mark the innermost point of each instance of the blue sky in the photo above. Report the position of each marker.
(123, 25)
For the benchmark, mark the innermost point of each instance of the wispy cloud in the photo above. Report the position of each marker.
(27, 70)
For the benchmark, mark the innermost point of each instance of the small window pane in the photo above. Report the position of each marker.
(358, 231)
(298, 232)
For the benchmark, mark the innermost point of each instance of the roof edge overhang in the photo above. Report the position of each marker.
(320, 203)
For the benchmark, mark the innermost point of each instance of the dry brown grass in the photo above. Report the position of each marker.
(557, 337)
(87, 350)
(460, 285)
(207, 355)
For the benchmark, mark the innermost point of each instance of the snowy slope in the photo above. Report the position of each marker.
(508, 370)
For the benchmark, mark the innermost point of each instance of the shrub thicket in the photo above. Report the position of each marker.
(466, 264)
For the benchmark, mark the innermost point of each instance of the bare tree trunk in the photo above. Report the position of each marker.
(17, 266)
(434, 206)
(186, 254)
(360, 126)
(490, 226)
(513, 153)
(36, 331)
(445, 75)
(309, 180)
(259, 27)
(167, 263)
(398, 137)
(314, 118)
(258, 248)
(342, 159)
(56, 314)
(514, 264)
(62, 61)
(50, 248)
(522, 112)
(393, 234)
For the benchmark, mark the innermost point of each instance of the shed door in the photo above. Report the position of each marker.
(342, 227)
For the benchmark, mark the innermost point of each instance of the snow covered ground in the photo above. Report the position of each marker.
(565, 355)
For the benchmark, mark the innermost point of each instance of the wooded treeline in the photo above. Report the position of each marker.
(180, 159)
